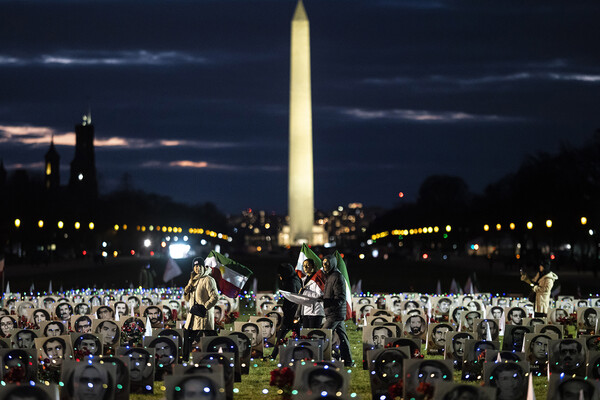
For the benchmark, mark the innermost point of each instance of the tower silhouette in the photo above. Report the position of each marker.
(83, 167)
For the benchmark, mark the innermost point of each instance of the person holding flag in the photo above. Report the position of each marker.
(312, 286)
(334, 302)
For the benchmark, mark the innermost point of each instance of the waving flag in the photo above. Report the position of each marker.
(230, 275)
(341, 265)
(306, 253)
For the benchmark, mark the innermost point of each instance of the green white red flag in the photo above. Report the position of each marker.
(306, 253)
(230, 275)
(341, 265)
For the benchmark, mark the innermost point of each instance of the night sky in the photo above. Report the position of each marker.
(191, 97)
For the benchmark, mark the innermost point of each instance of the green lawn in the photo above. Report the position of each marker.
(254, 385)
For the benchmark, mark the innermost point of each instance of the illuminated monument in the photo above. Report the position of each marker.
(301, 227)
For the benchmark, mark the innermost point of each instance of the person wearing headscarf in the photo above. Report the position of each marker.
(290, 282)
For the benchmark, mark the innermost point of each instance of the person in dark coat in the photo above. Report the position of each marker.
(290, 282)
(334, 301)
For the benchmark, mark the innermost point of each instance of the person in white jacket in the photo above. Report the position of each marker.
(311, 314)
(542, 286)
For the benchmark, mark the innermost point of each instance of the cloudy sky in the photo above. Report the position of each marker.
(191, 97)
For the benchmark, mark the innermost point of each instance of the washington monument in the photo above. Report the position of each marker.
(301, 181)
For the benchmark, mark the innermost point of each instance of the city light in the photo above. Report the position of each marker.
(116, 227)
(583, 220)
(549, 223)
(448, 228)
(486, 227)
(17, 222)
(498, 227)
(41, 223)
(61, 224)
(91, 226)
(512, 226)
(77, 225)
(529, 225)
(178, 251)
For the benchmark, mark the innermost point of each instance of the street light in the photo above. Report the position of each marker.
(529, 225)
(486, 227)
(41, 223)
(77, 225)
(91, 225)
(60, 224)
(17, 223)
(498, 227)
(583, 220)
(549, 223)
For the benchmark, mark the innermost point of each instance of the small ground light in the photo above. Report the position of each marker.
(401, 194)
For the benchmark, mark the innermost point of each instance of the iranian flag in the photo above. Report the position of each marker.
(230, 275)
(341, 265)
(306, 253)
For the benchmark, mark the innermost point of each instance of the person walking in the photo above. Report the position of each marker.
(202, 295)
(334, 302)
(290, 282)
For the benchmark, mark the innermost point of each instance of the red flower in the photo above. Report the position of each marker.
(395, 390)
(417, 354)
(15, 375)
(425, 389)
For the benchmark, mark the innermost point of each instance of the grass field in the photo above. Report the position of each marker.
(256, 384)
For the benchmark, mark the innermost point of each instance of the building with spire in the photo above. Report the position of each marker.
(83, 180)
(52, 168)
(301, 228)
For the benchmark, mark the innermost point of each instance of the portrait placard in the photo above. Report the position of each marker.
(454, 316)
(252, 330)
(18, 364)
(63, 311)
(23, 338)
(224, 344)
(38, 392)
(534, 321)
(557, 316)
(299, 350)
(38, 316)
(54, 350)
(501, 301)
(23, 306)
(474, 356)
(379, 319)
(267, 327)
(441, 306)
(587, 319)
(510, 379)
(485, 327)
(556, 329)
(90, 381)
(373, 337)
(244, 347)
(121, 366)
(567, 356)
(176, 335)
(81, 323)
(166, 354)
(514, 337)
(154, 314)
(570, 388)
(467, 320)
(414, 345)
(7, 324)
(85, 344)
(320, 334)
(316, 379)
(536, 348)
(224, 359)
(141, 368)
(592, 342)
(419, 373)
(195, 386)
(386, 367)
(436, 338)
(415, 327)
(109, 332)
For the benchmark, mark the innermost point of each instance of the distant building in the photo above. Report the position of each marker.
(52, 168)
(83, 167)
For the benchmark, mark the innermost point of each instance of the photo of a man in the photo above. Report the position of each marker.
(515, 316)
(88, 344)
(325, 381)
(567, 355)
(83, 324)
(24, 339)
(509, 380)
(425, 372)
(109, 332)
(415, 326)
(54, 328)
(379, 334)
(54, 349)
